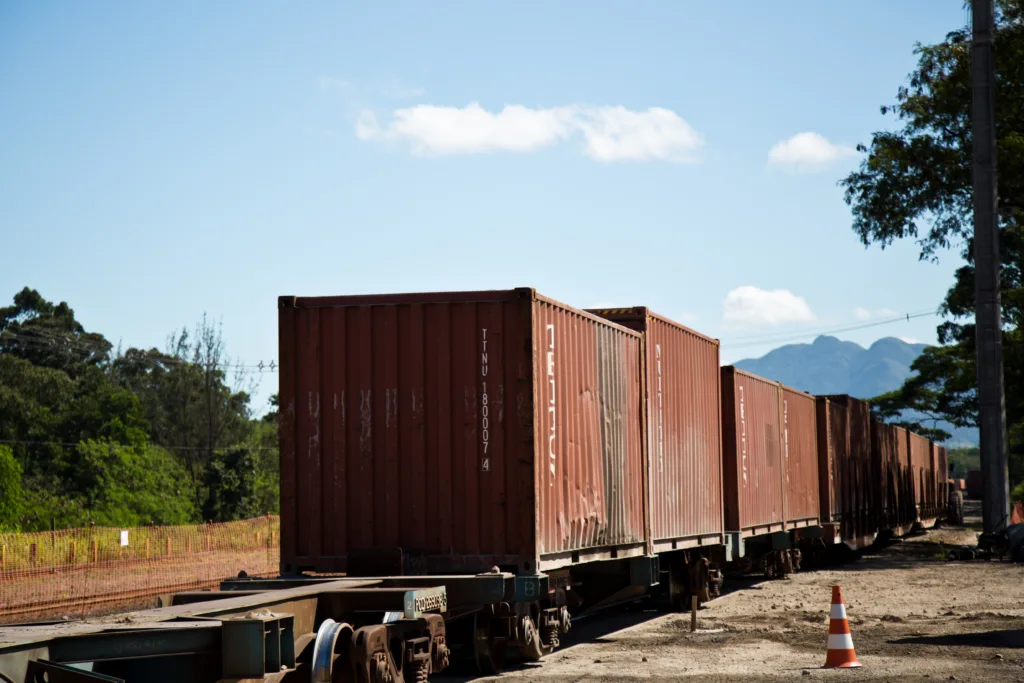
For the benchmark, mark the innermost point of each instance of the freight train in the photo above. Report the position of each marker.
(475, 468)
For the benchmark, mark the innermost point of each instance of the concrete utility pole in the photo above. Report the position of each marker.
(987, 314)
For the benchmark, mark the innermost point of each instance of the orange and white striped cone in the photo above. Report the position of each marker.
(840, 643)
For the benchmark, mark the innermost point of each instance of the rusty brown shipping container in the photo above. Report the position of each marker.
(850, 475)
(889, 443)
(683, 430)
(751, 453)
(942, 476)
(800, 458)
(921, 474)
(467, 429)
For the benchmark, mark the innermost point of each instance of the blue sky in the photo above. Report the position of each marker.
(163, 161)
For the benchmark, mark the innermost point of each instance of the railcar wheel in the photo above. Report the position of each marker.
(489, 652)
(332, 637)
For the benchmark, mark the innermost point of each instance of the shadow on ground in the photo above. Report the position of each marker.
(1010, 638)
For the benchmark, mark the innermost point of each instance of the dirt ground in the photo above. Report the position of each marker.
(913, 617)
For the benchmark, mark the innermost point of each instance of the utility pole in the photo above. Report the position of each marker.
(987, 314)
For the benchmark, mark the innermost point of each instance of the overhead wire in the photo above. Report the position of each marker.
(783, 338)
(33, 340)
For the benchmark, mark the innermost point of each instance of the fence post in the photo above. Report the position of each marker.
(168, 546)
(95, 551)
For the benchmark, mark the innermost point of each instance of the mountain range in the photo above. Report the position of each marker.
(832, 366)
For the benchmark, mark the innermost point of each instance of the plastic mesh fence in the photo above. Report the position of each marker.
(73, 572)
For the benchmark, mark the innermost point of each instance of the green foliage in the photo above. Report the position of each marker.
(126, 439)
(10, 490)
(963, 460)
(916, 182)
(48, 335)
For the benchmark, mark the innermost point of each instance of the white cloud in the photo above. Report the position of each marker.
(910, 340)
(863, 314)
(609, 133)
(753, 306)
(805, 152)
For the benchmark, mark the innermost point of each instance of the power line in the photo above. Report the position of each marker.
(33, 339)
(794, 337)
(896, 317)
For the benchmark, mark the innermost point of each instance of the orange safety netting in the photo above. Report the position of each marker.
(74, 572)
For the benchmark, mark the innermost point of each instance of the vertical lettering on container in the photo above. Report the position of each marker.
(485, 410)
(661, 417)
(785, 437)
(550, 329)
(743, 434)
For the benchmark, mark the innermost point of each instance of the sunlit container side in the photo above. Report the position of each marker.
(908, 509)
(884, 450)
(853, 486)
(920, 474)
(684, 441)
(800, 458)
(751, 453)
(828, 483)
(889, 444)
(467, 429)
(942, 477)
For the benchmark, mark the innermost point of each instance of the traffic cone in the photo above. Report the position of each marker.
(840, 643)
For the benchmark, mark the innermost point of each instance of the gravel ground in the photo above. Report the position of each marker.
(913, 616)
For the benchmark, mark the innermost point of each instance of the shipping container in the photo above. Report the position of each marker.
(851, 491)
(751, 453)
(683, 430)
(889, 443)
(800, 458)
(454, 432)
(942, 476)
(921, 474)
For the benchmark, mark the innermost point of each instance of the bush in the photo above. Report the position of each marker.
(11, 494)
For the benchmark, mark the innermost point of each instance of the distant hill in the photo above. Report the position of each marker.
(831, 366)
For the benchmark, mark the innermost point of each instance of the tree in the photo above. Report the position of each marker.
(915, 183)
(10, 490)
(124, 438)
(48, 335)
(188, 400)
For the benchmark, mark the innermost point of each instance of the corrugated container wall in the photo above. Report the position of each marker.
(751, 429)
(800, 448)
(845, 447)
(683, 429)
(468, 429)
(890, 444)
(942, 475)
(920, 466)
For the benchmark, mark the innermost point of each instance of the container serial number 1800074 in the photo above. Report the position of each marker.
(485, 409)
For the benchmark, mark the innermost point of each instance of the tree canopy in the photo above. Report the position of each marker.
(915, 182)
(93, 435)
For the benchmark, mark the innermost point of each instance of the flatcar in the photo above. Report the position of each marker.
(462, 472)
